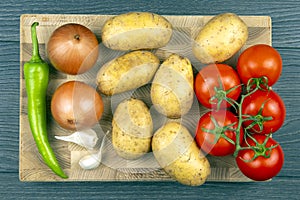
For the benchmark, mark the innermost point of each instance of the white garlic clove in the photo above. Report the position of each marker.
(86, 138)
(89, 161)
(93, 160)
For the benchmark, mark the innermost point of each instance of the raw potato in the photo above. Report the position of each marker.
(127, 72)
(136, 30)
(220, 38)
(172, 87)
(178, 154)
(132, 129)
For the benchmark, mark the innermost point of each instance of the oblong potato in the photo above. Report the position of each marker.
(178, 154)
(132, 129)
(172, 87)
(220, 38)
(127, 72)
(136, 30)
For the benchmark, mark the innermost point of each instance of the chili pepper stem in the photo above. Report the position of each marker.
(35, 45)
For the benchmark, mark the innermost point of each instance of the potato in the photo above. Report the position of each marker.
(127, 72)
(172, 87)
(132, 129)
(136, 30)
(220, 38)
(178, 154)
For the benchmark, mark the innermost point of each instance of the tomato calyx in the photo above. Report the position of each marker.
(258, 119)
(219, 131)
(221, 96)
(258, 149)
(260, 83)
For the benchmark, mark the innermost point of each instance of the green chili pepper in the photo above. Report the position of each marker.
(36, 73)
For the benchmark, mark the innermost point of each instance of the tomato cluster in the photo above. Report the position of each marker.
(244, 111)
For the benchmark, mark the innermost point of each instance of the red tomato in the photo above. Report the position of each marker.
(260, 168)
(210, 78)
(214, 142)
(263, 105)
(259, 60)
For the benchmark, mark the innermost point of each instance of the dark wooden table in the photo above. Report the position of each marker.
(286, 39)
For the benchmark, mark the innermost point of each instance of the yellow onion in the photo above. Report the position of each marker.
(73, 49)
(76, 105)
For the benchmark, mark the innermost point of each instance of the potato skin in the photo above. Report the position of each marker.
(220, 38)
(136, 30)
(127, 72)
(132, 129)
(172, 87)
(178, 154)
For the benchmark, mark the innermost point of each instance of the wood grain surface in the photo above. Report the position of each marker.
(113, 167)
(285, 37)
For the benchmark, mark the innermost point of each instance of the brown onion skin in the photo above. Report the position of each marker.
(76, 105)
(73, 49)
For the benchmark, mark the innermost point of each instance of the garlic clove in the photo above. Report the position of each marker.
(89, 161)
(86, 138)
(93, 160)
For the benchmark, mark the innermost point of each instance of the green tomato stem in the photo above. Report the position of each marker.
(240, 122)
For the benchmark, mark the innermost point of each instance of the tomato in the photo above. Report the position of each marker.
(259, 60)
(213, 83)
(266, 109)
(264, 162)
(212, 140)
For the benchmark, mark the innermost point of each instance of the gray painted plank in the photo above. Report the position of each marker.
(9, 120)
(284, 13)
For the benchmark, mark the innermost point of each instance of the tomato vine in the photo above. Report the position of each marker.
(241, 119)
(258, 111)
(253, 85)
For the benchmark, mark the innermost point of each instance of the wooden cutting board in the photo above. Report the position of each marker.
(114, 168)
